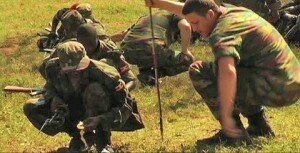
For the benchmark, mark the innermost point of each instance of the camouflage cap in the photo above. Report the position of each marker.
(72, 18)
(72, 56)
(85, 9)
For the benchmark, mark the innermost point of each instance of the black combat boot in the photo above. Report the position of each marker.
(220, 137)
(259, 126)
(90, 139)
(76, 145)
(103, 141)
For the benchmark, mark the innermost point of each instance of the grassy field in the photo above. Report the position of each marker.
(186, 117)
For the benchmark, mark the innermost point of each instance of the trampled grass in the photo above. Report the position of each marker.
(186, 117)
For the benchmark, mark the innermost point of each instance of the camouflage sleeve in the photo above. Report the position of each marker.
(105, 74)
(227, 46)
(128, 76)
(50, 91)
(274, 4)
(110, 52)
(51, 68)
(42, 67)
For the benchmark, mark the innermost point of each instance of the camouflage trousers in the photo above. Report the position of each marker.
(170, 61)
(254, 90)
(94, 101)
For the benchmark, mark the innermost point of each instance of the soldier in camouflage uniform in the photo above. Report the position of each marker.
(268, 9)
(82, 89)
(71, 21)
(137, 45)
(100, 50)
(85, 9)
(253, 67)
(49, 40)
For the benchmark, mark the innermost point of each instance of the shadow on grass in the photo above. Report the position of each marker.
(203, 145)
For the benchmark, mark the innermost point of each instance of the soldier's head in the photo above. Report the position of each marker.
(71, 21)
(87, 36)
(72, 57)
(202, 15)
(85, 9)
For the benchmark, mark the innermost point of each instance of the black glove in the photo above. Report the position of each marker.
(52, 35)
(59, 118)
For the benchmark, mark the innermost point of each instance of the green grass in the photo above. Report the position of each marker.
(186, 117)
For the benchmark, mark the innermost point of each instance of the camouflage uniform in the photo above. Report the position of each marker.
(261, 7)
(71, 21)
(106, 53)
(137, 44)
(268, 73)
(114, 57)
(84, 9)
(84, 13)
(95, 95)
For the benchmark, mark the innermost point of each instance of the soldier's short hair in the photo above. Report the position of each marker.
(200, 7)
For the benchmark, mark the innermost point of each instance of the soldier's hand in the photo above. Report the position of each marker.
(151, 3)
(124, 69)
(121, 85)
(229, 127)
(58, 121)
(148, 3)
(189, 55)
(197, 65)
(91, 123)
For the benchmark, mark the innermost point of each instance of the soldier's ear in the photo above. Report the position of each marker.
(210, 14)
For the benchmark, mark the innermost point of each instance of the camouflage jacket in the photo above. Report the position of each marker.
(114, 57)
(255, 44)
(122, 111)
(60, 13)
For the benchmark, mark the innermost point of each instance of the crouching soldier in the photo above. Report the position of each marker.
(253, 66)
(82, 89)
(137, 45)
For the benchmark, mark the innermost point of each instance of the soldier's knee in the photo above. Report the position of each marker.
(96, 99)
(28, 108)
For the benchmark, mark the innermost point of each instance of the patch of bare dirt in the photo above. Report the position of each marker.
(10, 46)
